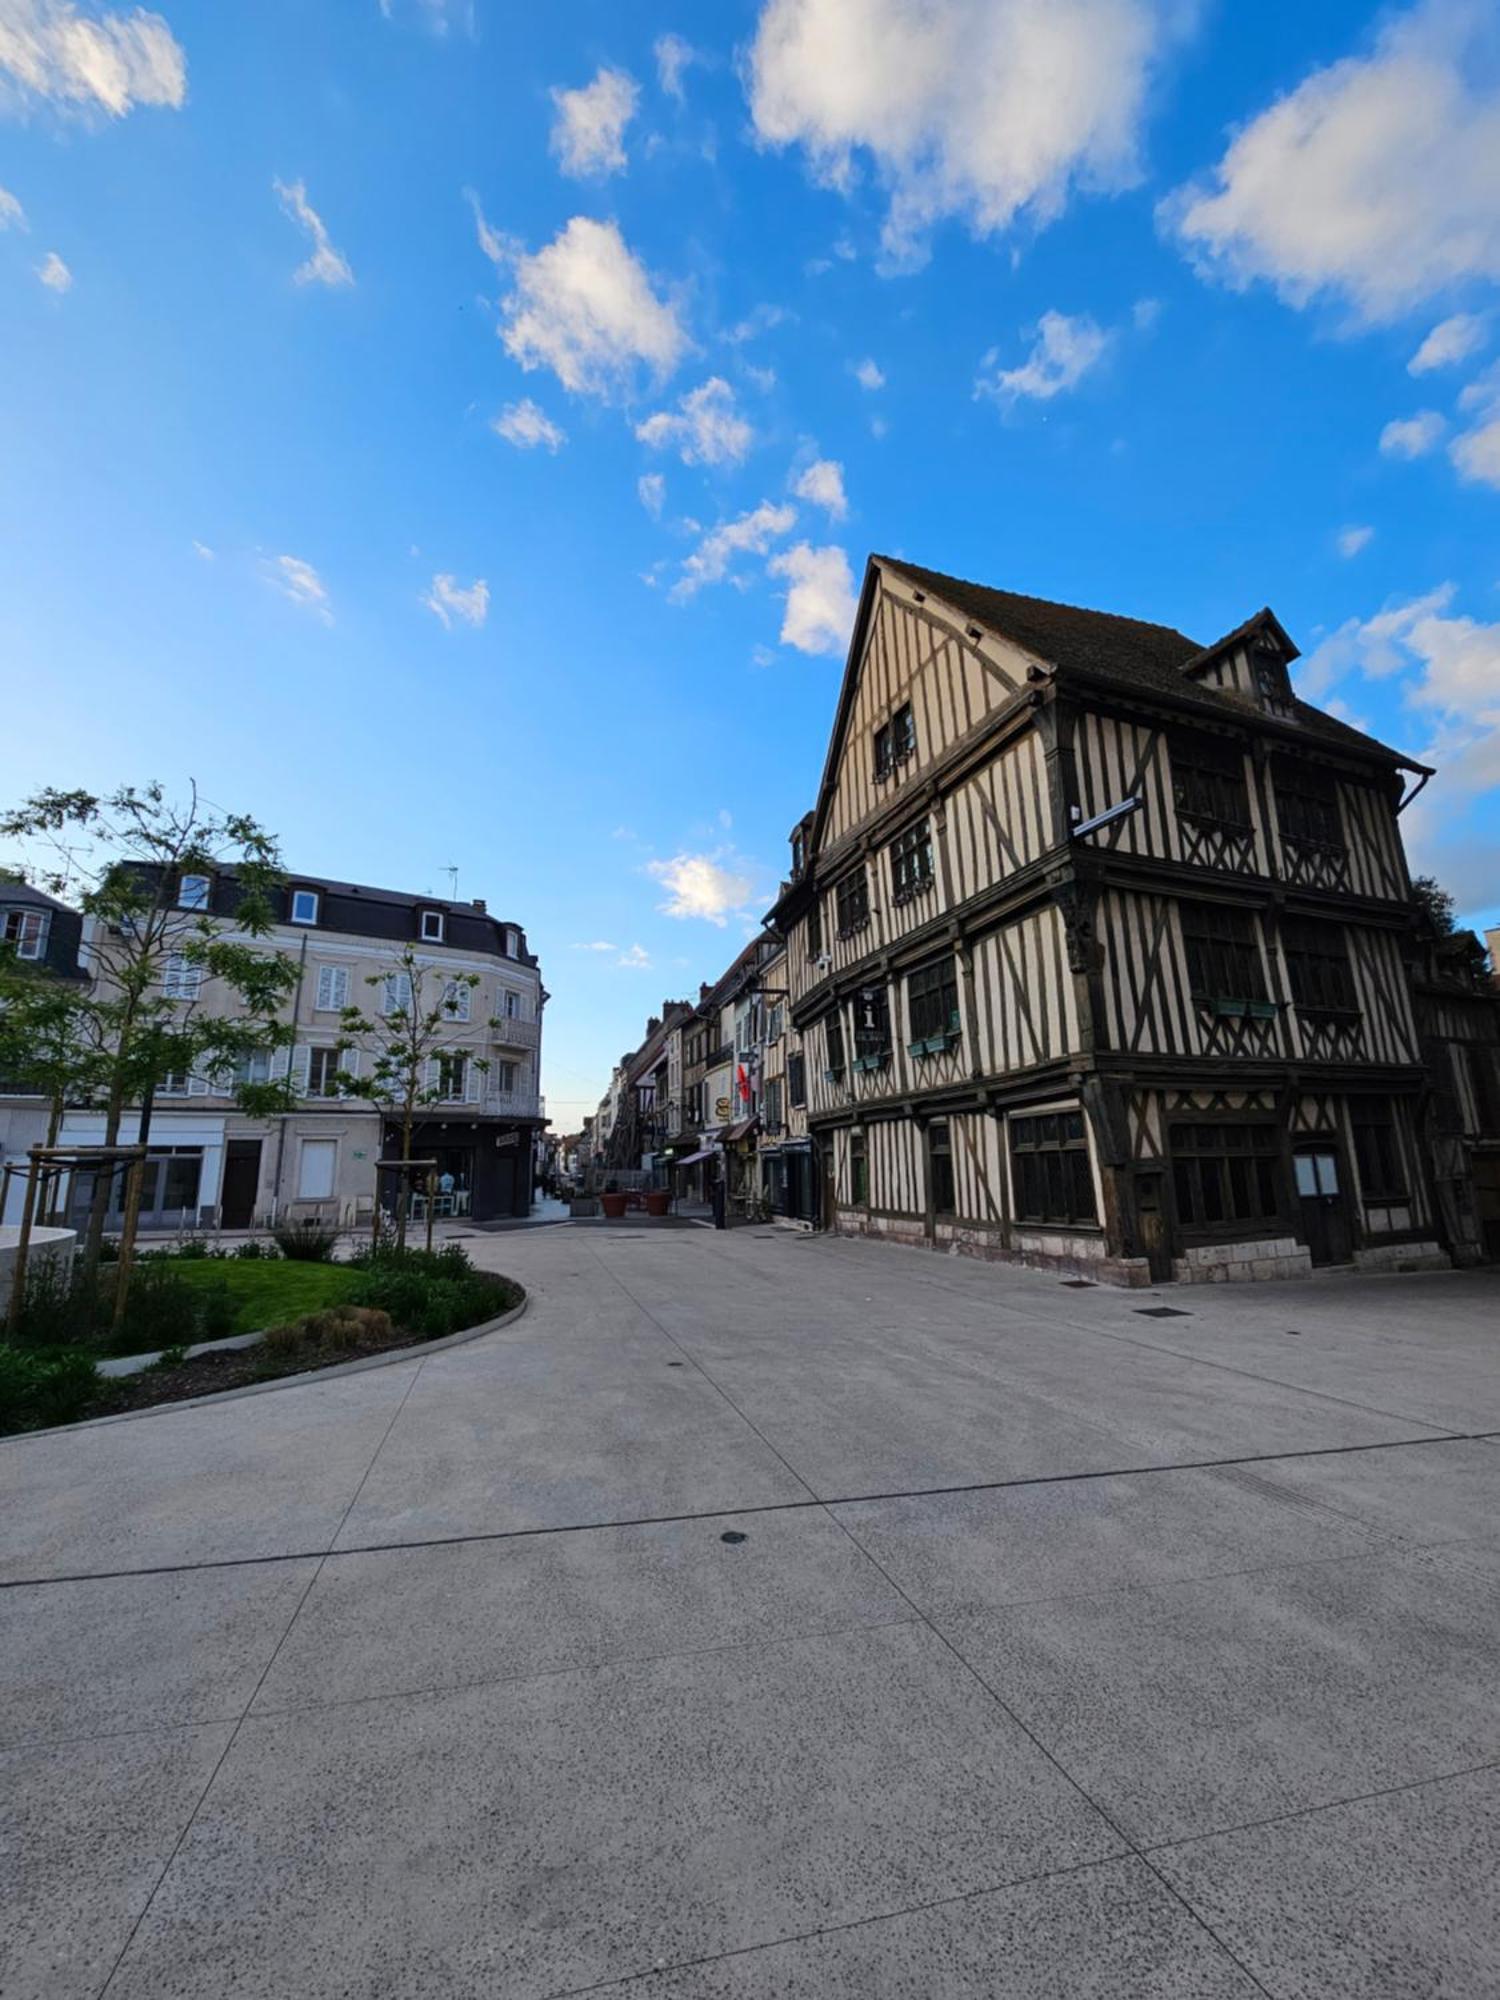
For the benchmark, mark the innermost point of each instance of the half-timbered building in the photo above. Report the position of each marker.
(1099, 942)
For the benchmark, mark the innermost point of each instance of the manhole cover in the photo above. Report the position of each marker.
(1163, 1312)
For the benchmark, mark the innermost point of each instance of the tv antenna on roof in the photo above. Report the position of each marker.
(452, 874)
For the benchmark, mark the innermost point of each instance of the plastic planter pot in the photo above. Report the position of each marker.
(657, 1201)
(613, 1206)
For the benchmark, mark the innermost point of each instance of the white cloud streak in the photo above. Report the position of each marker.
(674, 56)
(822, 484)
(589, 129)
(820, 601)
(705, 428)
(448, 600)
(1450, 341)
(299, 581)
(55, 274)
(699, 886)
(1354, 538)
(651, 490)
(751, 534)
(584, 308)
(326, 266)
(986, 110)
(1412, 437)
(1062, 353)
(526, 426)
(1476, 452)
(869, 375)
(1373, 182)
(55, 52)
(12, 215)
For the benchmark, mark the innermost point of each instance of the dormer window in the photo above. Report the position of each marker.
(1272, 683)
(304, 906)
(512, 944)
(26, 930)
(895, 741)
(799, 853)
(432, 927)
(192, 892)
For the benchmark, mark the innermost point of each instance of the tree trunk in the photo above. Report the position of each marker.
(104, 1177)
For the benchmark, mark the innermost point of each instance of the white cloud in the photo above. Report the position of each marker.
(705, 428)
(868, 375)
(203, 551)
(584, 308)
(597, 944)
(109, 62)
(326, 266)
(54, 273)
(1449, 671)
(299, 581)
(1451, 340)
(636, 958)
(526, 426)
(448, 600)
(698, 886)
(982, 109)
(1374, 181)
(823, 485)
(439, 15)
(499, 248)
(12, 215)
(1354, 538)
(1062, 354)
(760, 319)
(750, 534)
(652, 491)
(1144, 314)
(589, 128)
(1412, 437)
(1476, 453)
(673, 56)
(820, 602)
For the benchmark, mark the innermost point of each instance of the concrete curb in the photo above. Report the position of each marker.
(121, 1367)
(417, 1351)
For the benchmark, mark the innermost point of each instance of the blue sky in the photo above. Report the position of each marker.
(451, 430)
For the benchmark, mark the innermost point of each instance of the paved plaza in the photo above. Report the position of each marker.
(766, 1617)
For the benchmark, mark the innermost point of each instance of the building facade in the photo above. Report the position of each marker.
(213, 1165)
(1101, 946)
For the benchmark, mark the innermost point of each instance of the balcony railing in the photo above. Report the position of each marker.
(511, 1104)
(517, 1034)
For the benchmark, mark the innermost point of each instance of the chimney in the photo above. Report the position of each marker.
(481, 905)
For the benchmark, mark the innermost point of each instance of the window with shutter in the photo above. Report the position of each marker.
(301, 1067)
(333, 988)
(180, 977)
(457, 994)
(192, 892)
(397, 993)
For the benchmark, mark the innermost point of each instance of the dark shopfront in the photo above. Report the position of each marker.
(490, 1164)
(791, 1181)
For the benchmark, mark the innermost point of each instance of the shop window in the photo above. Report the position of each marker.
(1225, 1173)
(1050, 1167)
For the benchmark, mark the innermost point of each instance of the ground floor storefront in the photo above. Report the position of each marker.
(1140, 1184)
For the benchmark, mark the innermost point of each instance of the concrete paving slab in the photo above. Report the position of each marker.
(89, 1828)
(539, 1835)
(1103, 1933)
(1389, 1898)
(269, 1475)
(965, 1552)
(408, 1619)
(141, 1652)
(1423, 1493)
(1200, 1706)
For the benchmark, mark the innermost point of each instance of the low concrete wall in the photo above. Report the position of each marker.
(1403, 1257)
(1070, 1254)
(47, 1246)
(1243, 1263)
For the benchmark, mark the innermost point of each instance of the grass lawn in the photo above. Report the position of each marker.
(268, 1292)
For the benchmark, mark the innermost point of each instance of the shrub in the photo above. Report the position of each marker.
(217, 1312)
(285, 1340)
(432, 1293)
(160, 1311)
(307, 1242)
(253, 1248)
(191, 1247)
(170, 1357)
(37, 1390)
(60, 1307)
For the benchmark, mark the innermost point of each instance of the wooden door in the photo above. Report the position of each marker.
(1322, 1202)
(1151, 1222)
(241, 1184)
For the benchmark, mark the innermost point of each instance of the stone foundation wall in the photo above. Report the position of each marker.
(1403, 1257)
(1243, 1263)
(1037, 1250)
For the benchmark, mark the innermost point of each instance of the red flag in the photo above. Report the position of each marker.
(744, 1083)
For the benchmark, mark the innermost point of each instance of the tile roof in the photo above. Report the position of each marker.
(1129, 653)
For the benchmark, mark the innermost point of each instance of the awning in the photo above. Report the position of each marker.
(743, 1130)
(693, 1158)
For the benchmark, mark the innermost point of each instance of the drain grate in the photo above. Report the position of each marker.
(733, 1537)
(1163, 1312)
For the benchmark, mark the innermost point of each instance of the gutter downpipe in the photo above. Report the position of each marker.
(281, 1136)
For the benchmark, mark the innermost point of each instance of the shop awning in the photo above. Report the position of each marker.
(693, 1158)
(743, 1130)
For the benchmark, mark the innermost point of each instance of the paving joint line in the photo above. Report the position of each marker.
(736, 1513)
(234, 1734)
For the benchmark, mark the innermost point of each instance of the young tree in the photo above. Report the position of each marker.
(415, 1045)
(1441, 912)
(131, 860)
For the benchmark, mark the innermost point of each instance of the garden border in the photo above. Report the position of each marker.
(418, 1350)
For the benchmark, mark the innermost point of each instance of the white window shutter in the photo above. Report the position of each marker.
(473, 1080)
(434, 1074)
(341, 986)
(349, 1062)
(281, 1062)
(197, 1085)
(301, 1066)
(325, 988)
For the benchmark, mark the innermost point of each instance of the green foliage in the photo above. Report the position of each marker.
(432, 1293)
(170, 1357)
(268, 1290)
(1464, 952)
(252, 1249)
(60, 1307)
(306, 1242)
(41, 1389)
